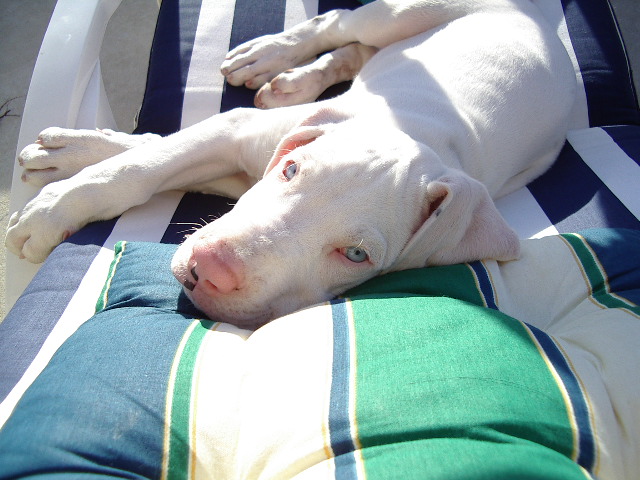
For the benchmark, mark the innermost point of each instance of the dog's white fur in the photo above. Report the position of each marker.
(465, 101)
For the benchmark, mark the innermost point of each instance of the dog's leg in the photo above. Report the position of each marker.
(239, 141)
(377, 24)
(60, 153)
(306, 83)
(383, 22)
(258, 61)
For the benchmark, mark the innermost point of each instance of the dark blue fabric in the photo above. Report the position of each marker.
(574, 205)
(618, 251)
(251, 19)
(169, 61)
(628, 139)
(603, 62)
(326, 5)
(195, 210)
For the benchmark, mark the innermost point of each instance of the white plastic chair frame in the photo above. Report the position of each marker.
(66, 90)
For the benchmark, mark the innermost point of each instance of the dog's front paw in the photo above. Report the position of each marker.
(293, 87)
(41, 225)
(258, 61)
(60, 153)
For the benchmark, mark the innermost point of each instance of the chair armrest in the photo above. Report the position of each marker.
(66, 90)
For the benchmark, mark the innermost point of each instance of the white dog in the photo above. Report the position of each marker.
(465, 101)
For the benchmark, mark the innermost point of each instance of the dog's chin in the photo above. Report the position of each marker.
(244, 318)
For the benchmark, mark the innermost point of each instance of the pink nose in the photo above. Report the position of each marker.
(216, 269)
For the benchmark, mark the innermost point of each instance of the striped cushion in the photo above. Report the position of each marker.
(592, 185)
(448, 369)
(183, 87)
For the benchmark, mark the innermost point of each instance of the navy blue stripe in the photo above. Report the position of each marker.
(251, 19)
(326, 5)
(346, 467)
(627, 137)
(618, 253)
(603, 63)
(161, 110)
(586, 442)
(195, 210)
(574, 198)
(339, 423)
(484, 282)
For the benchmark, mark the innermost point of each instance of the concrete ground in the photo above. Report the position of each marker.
(124, 61)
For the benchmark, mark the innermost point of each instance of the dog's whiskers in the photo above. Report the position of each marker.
(192, 227)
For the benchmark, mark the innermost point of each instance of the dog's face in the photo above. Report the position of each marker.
(328, 215)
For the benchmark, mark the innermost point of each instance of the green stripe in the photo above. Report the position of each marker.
(457, 281)
(450, 388)
(102, 302)
(180, 412)
(594, 273)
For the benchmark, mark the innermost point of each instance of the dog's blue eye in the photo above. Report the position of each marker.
(290, 170)
(356, 254)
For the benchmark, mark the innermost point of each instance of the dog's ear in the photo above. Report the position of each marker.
(296, 138)
(459, 223)
(323, 120)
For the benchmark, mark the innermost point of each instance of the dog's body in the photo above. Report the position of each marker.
(464, 101)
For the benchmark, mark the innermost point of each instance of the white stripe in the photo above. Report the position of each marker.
(205, 83)
(298, 11)
(610, 163)
(203, 92)
(524, 215)
(554, 13)
(145, 223)
(244, 428)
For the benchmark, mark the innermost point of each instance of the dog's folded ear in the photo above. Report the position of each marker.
(298, 137)
(309, 129)
(459, 223)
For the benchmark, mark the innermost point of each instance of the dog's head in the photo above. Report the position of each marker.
(337, 205)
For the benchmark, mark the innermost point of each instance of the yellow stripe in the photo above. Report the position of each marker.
(578, 262)
(496, 300)
(603, 274)
(112, 273)
(563, 391)
(353, 369)
(326, 439)
(477, 282)
(193, 459)
(596, 260)
(169, 404)
(587, 399)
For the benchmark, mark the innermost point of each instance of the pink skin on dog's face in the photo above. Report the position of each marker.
(300, 236)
